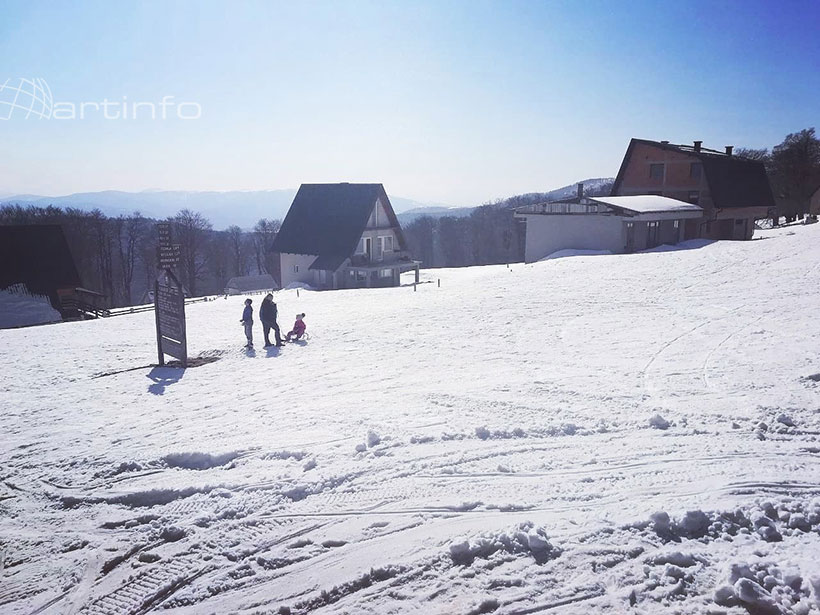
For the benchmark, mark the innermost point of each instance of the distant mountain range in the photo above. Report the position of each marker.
(243, 208)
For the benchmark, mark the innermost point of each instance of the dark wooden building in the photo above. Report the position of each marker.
(37, 257)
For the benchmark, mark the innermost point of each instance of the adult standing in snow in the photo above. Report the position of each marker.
(267, 314)
(247, 320)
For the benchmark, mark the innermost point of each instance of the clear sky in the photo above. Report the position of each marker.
(453, 102)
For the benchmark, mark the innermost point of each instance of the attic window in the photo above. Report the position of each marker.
(694, 196)
(695, 170)
(656, 170)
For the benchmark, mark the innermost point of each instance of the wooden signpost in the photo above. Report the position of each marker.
(169, 301)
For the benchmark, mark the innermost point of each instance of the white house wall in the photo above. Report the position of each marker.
(377, 227)
(289, 263)
(548, 234)
(378, 217)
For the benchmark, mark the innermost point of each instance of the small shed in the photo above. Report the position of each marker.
(616, 224)
(250, 283)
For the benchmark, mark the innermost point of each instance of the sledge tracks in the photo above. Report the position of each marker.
(705, 366)
(147, 588)
(649, 389)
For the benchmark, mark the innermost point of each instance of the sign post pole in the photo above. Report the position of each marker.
(160, 355)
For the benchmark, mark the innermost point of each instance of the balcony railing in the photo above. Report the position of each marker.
(388, 258)
(563, 208)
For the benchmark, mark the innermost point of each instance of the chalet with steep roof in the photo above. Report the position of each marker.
(341, 236)
(732, 191)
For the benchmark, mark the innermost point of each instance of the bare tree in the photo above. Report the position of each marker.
(191, 233)
(760, 155)
(218, 258)
(128, 234)
(238, 246)
(795, 169)
(264, 233)
(103, 241)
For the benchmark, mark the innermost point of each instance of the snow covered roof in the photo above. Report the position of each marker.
(646, 203)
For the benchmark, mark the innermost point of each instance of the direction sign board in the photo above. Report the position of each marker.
(169, 309)
(168, 256)
(164, 230)
(168, 253)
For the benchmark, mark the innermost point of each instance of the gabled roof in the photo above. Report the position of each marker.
(328, 220)
(733, 181)
(646, 203)
(38, 256)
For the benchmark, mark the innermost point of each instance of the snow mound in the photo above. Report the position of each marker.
(19, 308)
(764, 588)
(690, 244)
(300, 285)
(523, 538)
(571, 252)
(658, 422)
(199, 461)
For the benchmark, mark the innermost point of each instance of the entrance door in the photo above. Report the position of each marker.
(368, 247)
(630, 236)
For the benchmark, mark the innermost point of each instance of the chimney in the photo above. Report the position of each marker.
(729, 149)
(697, 145)
(580, 191)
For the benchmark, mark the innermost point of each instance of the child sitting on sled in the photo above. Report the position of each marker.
(298, 329)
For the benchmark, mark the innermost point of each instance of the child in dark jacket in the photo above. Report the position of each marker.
(298, 328)
(247, 321)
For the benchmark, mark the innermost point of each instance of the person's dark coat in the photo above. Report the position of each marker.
(267, 312)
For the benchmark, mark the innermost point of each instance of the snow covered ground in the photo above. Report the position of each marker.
(609, 434)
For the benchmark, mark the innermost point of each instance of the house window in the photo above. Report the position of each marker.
(676, 224)
(388, 243)
(656, 170)
(695, 169)
(385, 273)
(296, 268)
(694, 196)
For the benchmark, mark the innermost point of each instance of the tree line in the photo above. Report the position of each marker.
(117, 256)
(489, 235)
(793, 167)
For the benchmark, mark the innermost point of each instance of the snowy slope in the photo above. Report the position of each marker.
(578, 435)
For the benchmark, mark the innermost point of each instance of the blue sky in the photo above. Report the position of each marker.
(453, 102)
